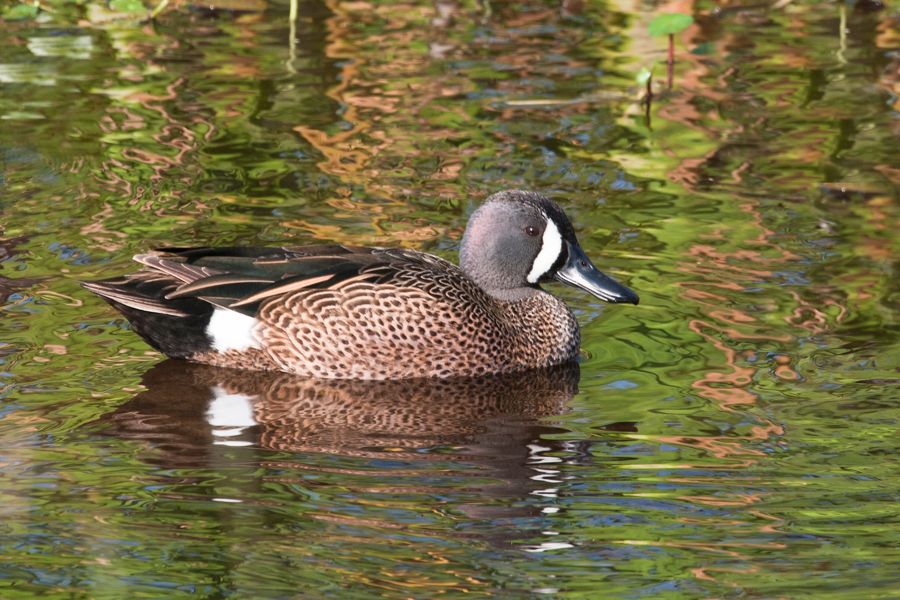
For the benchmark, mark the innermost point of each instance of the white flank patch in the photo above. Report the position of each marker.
(551, 246)
(230, 330)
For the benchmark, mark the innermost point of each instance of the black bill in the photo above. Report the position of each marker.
(580, 272)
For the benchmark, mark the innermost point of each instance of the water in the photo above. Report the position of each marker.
(732, 436)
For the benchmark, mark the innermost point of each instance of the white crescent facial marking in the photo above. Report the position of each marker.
(551, 246)
(231, 330)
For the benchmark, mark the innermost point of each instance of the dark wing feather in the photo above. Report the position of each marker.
(215, 282)
(134, 292)
(240, 278)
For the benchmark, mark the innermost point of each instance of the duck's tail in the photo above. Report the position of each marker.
(176, 327)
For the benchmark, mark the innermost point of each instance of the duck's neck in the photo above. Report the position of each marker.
(516, 294)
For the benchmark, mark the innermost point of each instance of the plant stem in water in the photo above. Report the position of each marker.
(671, 63)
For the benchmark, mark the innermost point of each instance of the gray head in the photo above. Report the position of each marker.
(517, 240)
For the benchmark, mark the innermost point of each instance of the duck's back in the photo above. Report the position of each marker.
(336, 312)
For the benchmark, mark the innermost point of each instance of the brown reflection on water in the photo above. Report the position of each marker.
(342, 157)
(343, 417)
(719, 269)
(408, 132)
(726, 328)
(176, 135)
(733, 276)
(375, 94)
(377, 145)
(716, 276)
(8, 251)
(103, 237)
(480, 429)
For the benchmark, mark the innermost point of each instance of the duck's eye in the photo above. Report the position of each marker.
(532, 231)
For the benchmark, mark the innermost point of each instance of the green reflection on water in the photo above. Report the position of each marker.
(734, 435)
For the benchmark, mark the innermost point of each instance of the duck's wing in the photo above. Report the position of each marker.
(173, 280)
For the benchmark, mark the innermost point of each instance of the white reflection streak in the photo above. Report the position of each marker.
(546, 475)
(546, 546)
(229, 415)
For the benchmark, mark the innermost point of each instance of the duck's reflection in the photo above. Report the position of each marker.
(492, 428)
(187, 408)
(480, 445)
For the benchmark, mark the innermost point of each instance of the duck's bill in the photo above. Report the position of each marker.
(580, 272)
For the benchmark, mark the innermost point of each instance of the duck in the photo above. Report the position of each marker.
(332, 311)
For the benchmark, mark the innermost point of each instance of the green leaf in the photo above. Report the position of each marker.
(704, 49)
(127, 6)
(21, 11)
(643, 75)
(669, 24)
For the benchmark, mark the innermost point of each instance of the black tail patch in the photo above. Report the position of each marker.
(175, 327)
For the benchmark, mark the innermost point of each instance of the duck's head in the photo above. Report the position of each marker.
(517, 240)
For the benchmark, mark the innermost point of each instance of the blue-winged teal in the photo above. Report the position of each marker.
(345, 312)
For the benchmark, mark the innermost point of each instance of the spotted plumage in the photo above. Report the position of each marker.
(345, 312)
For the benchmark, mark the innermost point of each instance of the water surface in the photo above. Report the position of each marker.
(732, 436)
